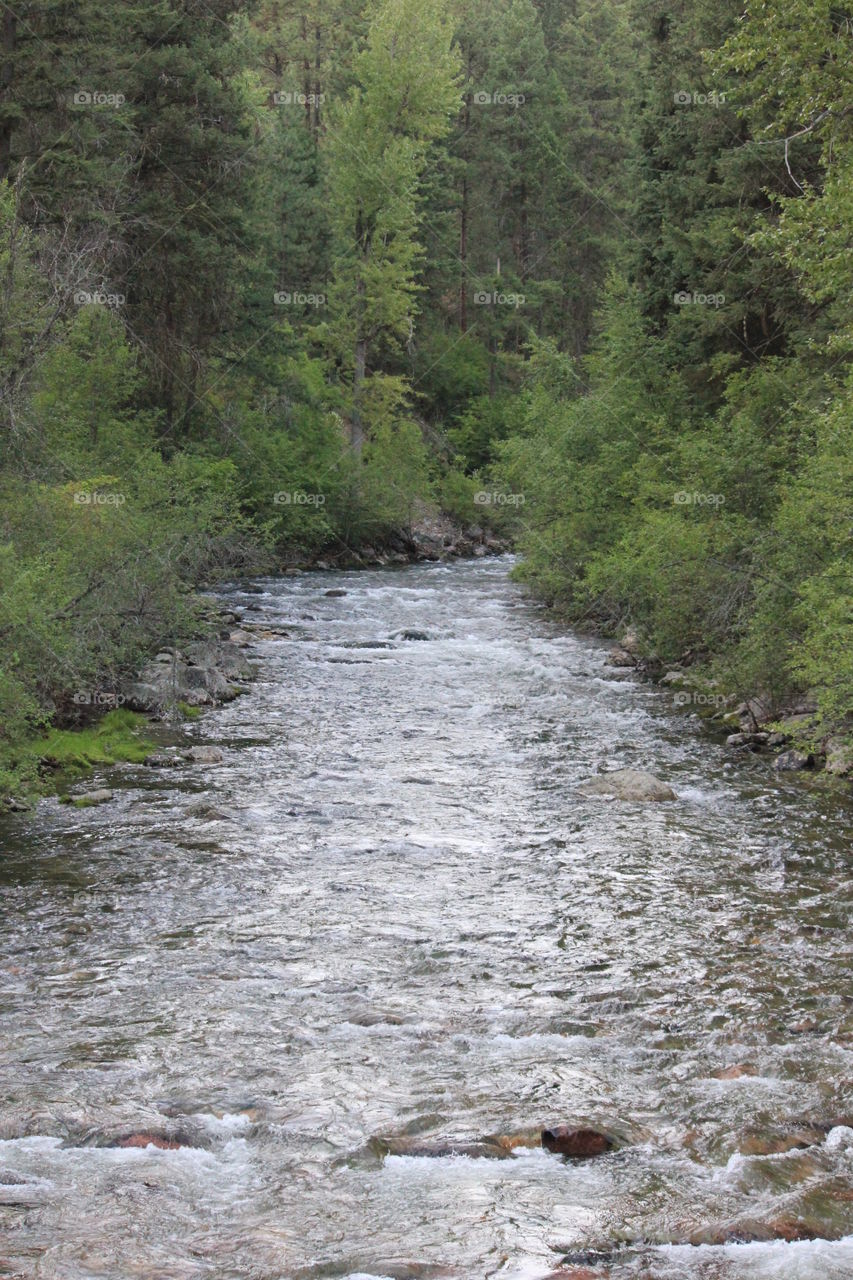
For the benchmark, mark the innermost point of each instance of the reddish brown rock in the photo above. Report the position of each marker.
(760, 1144)
(149, 1140)
(509, 1141)
(790, 1228)
(734, 1072)
(578, 1144)
(751, 1231)
(732, 1233)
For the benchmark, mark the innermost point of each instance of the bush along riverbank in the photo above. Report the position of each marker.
(790, 731)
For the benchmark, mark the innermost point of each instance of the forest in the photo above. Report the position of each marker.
(282, 279)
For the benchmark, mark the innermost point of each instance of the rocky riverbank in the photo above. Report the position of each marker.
(790, 733)
(179, 681)
(432, 537)
(213, 669)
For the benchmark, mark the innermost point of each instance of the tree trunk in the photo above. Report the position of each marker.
(356, 428)
(8, 41)
(463, 225)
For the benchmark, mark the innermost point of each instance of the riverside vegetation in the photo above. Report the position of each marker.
(284, 280)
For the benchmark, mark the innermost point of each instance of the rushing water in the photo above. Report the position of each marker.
(406, 920)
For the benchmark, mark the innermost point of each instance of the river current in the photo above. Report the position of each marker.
(389, 915)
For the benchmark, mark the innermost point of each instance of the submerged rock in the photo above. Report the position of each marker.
(734, 1072)
(206, 813)
(786, 1227)
(436, 1148)
(509, 1141)
(577, 1144)
(335, 593)
(776, 1144)
(150, 1140)
(628, 784)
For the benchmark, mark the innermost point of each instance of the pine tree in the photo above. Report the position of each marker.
(407, 88)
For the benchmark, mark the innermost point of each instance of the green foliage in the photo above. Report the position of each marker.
(691, 475)
(281, 279)
(36, 763)
(407, 88)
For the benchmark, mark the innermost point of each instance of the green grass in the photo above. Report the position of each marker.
(188, 711)
(38, 764)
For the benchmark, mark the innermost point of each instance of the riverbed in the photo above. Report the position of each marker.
(388, 913)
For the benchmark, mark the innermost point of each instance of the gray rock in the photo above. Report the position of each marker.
(162, 760)
(221, 656)
(792, 760)
(631, 641)
(628, 784)
(751, 740)
(204, 755)
(335, 593)
(14, 804)
(89, 798)
(201, 676)
(206, 813)
(839, 758)
(620, 658)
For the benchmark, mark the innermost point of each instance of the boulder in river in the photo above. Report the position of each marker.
(206, 812)
(620, 658)
(162, 760)
(577, 1144)
(628, 784)
(204, 755)
(89, 798)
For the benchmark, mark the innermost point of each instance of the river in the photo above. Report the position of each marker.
(399, 917)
